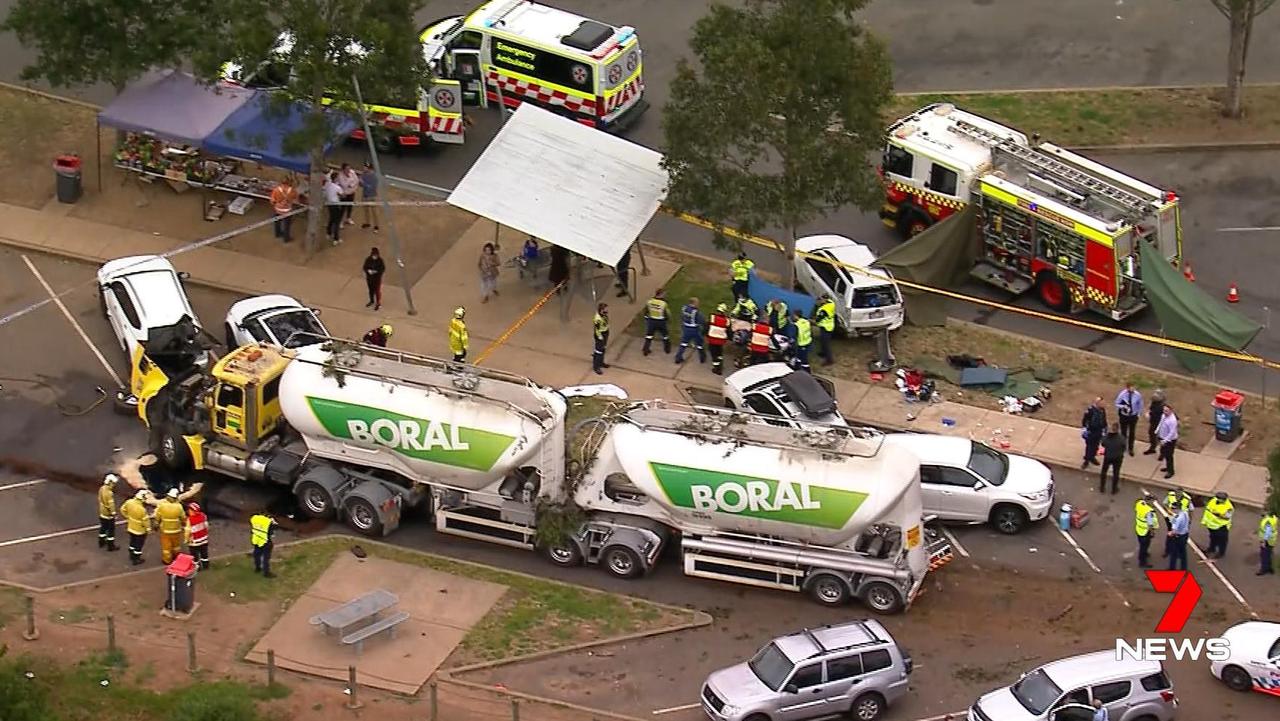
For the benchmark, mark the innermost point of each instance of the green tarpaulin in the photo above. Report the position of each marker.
(1189, 314)
(941, 257)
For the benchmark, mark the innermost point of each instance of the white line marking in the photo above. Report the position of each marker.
(24, 484)
(1262, 228)
(75, 324)
(956, 715)
(47, 536)
(954, 542)
(673, 709)
(1079, 550)
(1212, 566)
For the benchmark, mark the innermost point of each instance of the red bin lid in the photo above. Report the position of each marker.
(67, 161)
(183, 566)
(1228, 399)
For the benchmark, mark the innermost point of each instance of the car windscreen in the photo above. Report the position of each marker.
(1036, 692)
(771, 666)
(991, 465)
(877, 296)
(293, 329)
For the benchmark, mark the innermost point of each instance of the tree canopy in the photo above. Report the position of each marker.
(316, 48)
(773, 125)
(82, 42)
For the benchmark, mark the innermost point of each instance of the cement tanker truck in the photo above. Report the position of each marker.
(365, 433)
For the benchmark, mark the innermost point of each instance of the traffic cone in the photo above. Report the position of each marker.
(1233, 294)
(1186, 273)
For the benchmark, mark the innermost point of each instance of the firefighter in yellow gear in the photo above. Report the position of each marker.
(740, 271)
(745, 309)
(172, 519)
(138, 524)
(107, 512)
(1217, 518)
(458, 339)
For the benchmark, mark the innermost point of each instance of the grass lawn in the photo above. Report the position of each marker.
(34, 688)
(534, 615)
(11, 606)
(708, 282)
(1114, 117)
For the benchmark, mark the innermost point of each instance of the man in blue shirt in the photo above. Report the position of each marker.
(691, 322)
(1179, 529)
(1129, 409)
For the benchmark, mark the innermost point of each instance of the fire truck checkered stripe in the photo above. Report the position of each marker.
(620, 98)
(1076, 296)
(928, 197)
(546, 96)
(1098, 296)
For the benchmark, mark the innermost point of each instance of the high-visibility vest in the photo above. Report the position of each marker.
(601, 326)
(689, 317)
(458, 339)
(1217, 514)
(198, 528)
(656, 309)
(260, 530)
(741, 268)
(718, 329)
(804, 333)
(745, 307)
(826, 316)
(759, 342)
(1173, 501)
(135, 513)
(1144, 517)
(106, 502)
(1268, 522)
(778, 316)
(171, 516)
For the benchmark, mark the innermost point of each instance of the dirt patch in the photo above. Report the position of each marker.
(1119, 117)
(33, 131)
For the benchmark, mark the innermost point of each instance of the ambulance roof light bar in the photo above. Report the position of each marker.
(502, 12)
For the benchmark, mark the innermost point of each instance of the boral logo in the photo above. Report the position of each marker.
(417, 438)
(785, 500)
(1186, 594)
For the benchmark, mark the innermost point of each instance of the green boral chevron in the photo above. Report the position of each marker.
(786, 501)
(417, 438)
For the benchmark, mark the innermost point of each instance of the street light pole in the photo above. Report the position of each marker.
(382, 198)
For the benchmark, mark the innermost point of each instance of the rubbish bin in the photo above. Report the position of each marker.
(1228, 408)
(67, 168)
(180, 584)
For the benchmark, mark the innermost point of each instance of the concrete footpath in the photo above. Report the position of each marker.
(553, 346)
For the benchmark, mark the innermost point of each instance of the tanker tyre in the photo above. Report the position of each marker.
(564, 554)
(362, 516)
(314, 500)
(829, 589)
(174, 451)
(882, 598)
(621, 562)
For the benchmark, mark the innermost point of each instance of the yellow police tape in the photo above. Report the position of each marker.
(518, 324)
(1170, 343)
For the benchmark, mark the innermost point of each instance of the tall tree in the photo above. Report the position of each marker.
(82, 42)
(328, 43)
(774, 125)
(1240, 15)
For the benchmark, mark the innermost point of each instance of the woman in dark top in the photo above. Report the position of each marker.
(559, 270)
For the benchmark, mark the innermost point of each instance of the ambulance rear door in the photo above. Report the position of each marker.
(444, 112)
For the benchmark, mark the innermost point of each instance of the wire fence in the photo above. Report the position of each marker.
(440, 701)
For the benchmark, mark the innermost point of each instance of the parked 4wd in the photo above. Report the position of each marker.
(1063, 691)
(853, 669)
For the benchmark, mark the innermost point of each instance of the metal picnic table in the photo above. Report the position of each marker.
(356, 611)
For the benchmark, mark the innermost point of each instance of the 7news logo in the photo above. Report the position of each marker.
(1186, 594)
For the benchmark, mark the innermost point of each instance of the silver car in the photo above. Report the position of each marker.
(851, 669)
(1064, 691)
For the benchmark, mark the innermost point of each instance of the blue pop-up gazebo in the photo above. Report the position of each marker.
(256, 131)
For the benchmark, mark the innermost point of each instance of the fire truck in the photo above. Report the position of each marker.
(1048, 220)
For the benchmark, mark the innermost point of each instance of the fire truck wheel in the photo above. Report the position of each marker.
(1052, 291)
(912, 223)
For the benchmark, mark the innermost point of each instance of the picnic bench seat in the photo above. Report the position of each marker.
(386, 624)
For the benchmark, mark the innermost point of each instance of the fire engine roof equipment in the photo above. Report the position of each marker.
(174, 106)
(939, 257)
(256, 131)
(573, 186)
(1189, 314)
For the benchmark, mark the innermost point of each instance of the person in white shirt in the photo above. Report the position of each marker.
(348, 184)
(333, 196)
(1100, 712)
(1167, 434)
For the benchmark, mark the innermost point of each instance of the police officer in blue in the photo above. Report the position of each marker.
(691, 322)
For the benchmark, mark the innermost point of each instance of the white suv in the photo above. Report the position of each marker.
(1064, 690)
(865, 301)
(967, 481)
(139, 294)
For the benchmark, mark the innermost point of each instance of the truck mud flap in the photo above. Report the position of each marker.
(940, 552)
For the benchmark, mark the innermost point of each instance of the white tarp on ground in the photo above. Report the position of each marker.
(565, 183)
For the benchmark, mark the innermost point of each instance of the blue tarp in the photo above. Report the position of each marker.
(762, 292)
(257, 130)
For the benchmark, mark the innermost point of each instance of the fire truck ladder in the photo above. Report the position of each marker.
(1043, 162)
